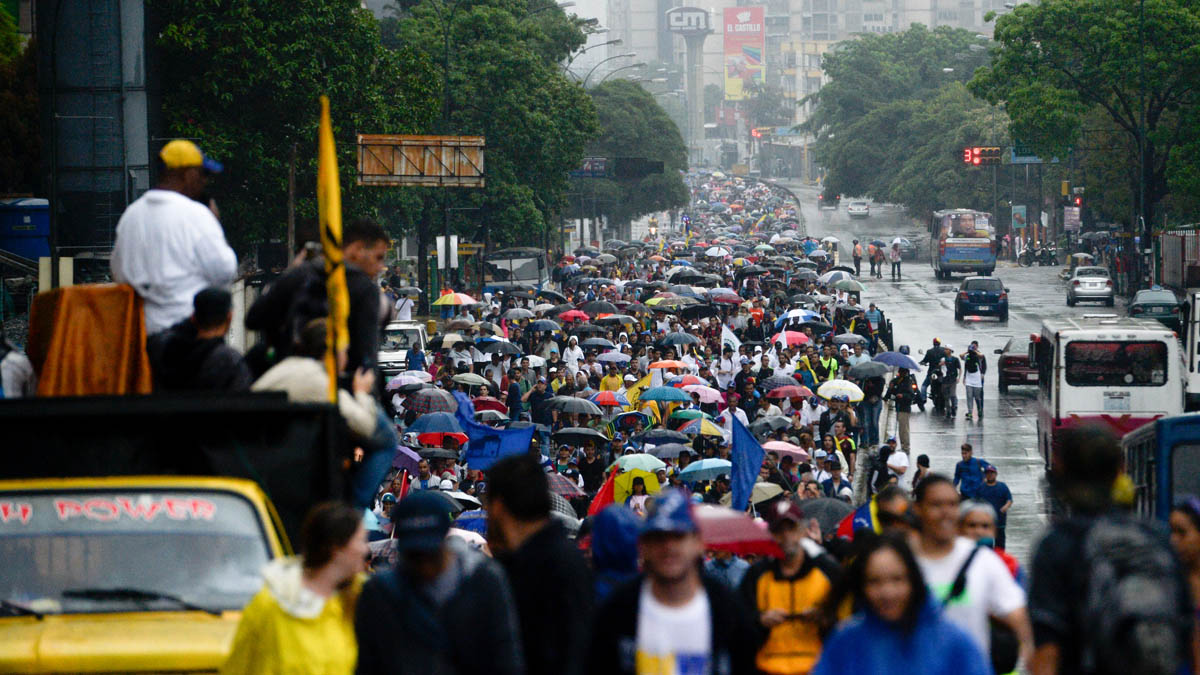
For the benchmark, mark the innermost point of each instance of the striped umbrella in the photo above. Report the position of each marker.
(702, 427)
(609, 398)
(563, 486)
(455, 299)
(431, 400)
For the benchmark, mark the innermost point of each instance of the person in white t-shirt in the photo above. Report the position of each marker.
(990, 589)
(404, 308)
(727, 367)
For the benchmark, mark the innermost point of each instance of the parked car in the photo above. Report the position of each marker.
(908, 250)
(1013, 366)
(1156, 303)
(979, 296)
(1090, 284)
(858, 209)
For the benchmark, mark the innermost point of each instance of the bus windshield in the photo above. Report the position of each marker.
(964, 226)
(1110, 363)
(526, 266)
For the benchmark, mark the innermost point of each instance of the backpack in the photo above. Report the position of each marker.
(972, 364)
(1131, 603)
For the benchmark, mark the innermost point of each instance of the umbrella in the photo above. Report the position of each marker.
(707, 394)
(638, 308)
(628, 420)
(869, 369)
(573, 315)
(762, 492)
(446, 341)
(897, 360)
(818, 327)
(614, 357)
(640, 460)
(455, 299)
(724, 529)
(573, 404)
(684, 381)
(500, 347)
(431, 400)
(615, 319)
(840, 388)
(561, 507)
(849, 339)
(689, 414)
(606, 258)
(769, 424)
(790, 391)
(660, 436)
(518, 313)
(437, 453)
(829, 513)
(850, 286)
(834, 276)
(668, 364)
(665, 394)
(544, 325)
(474, 520)
(831, 240)
(472, 380)
(702, 427)
(792, 337)
(717, 252)
(678, 338)
(777, 381)
(417, 374)
(438, 422)
(464, 500)
(699, 311)
(623, 483)
(668, 450)
(877, 242)
(585, 328)
(406, 458)
(488, 403)
(563, 486)
(552, 295)
(487, 416)
(599, 307)
(785, 448)
(597, 342)
(609, 399)
(706, 469)
(400, 380)
(408, 290)
(726, 298)
(817, 254)
(579, 435)
(534, 361)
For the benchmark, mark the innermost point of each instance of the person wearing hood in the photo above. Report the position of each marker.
(614, 549)
(897, 627)
(445, 608)
(302, 619)
(192, 355)
(572, 355)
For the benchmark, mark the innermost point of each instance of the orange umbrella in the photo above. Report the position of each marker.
(668, 364)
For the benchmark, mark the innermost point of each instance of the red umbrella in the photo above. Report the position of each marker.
(563, 486)
(573, 315)
(686, 380)
(724, 529)
(436, 438)
(489, 403)
(793, 338)
(790, 391)
(431, 400)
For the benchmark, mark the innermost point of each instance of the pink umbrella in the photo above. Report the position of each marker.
(707, 394)
(785, 448)
(723, 529)
(686, 380)
(790, 391)
(793, 338)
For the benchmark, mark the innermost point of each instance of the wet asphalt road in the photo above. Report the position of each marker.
(921, 308)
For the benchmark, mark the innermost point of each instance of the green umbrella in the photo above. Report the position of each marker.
(849, 285)
(690, 414)
(640, 461)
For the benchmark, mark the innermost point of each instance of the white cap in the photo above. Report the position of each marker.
(846, 493)
(446, 484)
(630, 378)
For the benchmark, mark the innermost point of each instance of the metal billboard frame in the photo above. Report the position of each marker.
(421, 161)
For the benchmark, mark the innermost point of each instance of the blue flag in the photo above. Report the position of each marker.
(747, 457)
(489, 445)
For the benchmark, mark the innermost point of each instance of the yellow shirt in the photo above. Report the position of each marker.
(611, 383)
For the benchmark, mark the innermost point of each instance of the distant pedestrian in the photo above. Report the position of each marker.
(951, 369)
(974, 368)
(968, 474)
(858, 256)
(17, 379)
(903, 392)
(727, 567)
(896, 260)
(1000, 497)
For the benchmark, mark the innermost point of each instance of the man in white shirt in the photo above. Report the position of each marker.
(404, 308)
(572, 355)
(810, 413)
(169, 246)
(726, 368)
(990, 589)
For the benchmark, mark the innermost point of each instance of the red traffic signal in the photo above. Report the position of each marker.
(981, 155)
(1078, 201)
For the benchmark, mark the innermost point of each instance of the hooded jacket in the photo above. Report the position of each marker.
(287, 628)
(865, 643)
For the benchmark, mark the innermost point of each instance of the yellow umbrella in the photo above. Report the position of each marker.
(623, 485)
(455, 299)
(656, 301)
(702, 427)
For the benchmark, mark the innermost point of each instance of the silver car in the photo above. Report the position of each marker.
(1090, 284)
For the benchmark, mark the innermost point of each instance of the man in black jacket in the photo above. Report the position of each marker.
(444, 609)
(552, 588)
(192, 354)
(673, 619)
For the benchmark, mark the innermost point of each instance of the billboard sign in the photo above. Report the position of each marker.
(429, 161)
(688, 21)
(744, 42)
(1018, 217)
(1071, 218)
(592, 167)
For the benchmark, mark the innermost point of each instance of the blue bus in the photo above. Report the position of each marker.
(1162, 459)
(961, 240)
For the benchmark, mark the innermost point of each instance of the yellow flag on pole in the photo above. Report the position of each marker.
(329, 211)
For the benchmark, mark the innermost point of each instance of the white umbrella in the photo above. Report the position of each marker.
(717, 252)
(898, 240)
(840, 388)
(831, 240)
(535, 361)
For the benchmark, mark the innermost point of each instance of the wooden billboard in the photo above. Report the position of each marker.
(420, 161)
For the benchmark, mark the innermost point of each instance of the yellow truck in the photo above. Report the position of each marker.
(146, 568)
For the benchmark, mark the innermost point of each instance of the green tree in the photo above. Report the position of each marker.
(1137, 61)
(767, 107)
(244, 78)
(633, 124)
(20, 139)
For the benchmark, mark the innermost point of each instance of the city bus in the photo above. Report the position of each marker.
(962, 240)
(510, 267)
(1162, 459)
(1100, 369)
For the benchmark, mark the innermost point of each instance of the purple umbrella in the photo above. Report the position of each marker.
(406, 458)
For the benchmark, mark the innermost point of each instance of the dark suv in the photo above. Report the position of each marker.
(981, 296)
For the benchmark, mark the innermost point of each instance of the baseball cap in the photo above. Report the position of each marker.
(181, 154)
(990, 467)
(820, 454)
(784, 511)
(630, 378)
(446, 484)
(845, 493)
(388, 498)
(671, 512)
(420, 521)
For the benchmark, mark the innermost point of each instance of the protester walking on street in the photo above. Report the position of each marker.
(896, 259)
(302, 621)
(974, 368)
(672, 618)
(898, 627)
(968, 473)
(902, 391)
(999, 496)
(1185, 539)
(445, 608)
(951, 369)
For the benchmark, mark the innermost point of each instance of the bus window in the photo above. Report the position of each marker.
(1124, 364)
(1185, 470)
(1042, 355)
(1139, 466)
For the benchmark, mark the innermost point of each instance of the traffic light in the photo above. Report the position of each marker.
(1078, 200)
(981, 155)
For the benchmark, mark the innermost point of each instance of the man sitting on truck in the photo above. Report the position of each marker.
(192, 354)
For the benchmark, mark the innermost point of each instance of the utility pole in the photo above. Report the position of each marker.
(291, 210)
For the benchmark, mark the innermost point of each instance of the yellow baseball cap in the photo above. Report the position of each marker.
(180, 154)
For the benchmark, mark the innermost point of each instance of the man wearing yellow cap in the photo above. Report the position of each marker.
(169, 245)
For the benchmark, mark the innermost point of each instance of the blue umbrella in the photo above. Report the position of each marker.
(666, 395)
(474, 520)
(706, 469)
(544, 325)
(627, 420)
(897, 360)
(438, 422)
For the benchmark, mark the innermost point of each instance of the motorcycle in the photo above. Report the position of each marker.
(1026, 258)
(935, 390)
(1048, 256)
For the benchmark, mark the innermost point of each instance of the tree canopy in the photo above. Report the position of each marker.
(20, 137)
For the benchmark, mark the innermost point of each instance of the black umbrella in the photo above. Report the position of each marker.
(437, 453)
(829, 513)
(408, 290)
(869, 369)
(751, 270)
(597, 342)
(638, 307)
(668, 450)
(699, 311)
(587, 328)
(615, 319)
(843, 268)
(559, 309)
(520, 294)
(614, 244)
(573, 404)
(599, 307)
(661, 436)
(500, 347)
(805, 275)
(773, 423)
(849, 339)
(678, 338)
(587, 250)
(777, 381)
(579, 435)
(551, 295)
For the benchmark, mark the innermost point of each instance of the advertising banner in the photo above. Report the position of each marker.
(744, 42)
(1018, 217)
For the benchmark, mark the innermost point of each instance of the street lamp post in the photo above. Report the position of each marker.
(626, 55)
(617, 70)
(577, 54)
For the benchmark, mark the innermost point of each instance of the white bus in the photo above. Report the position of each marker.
(1100, 369)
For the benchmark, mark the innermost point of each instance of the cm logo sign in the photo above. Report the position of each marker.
(688, 20)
